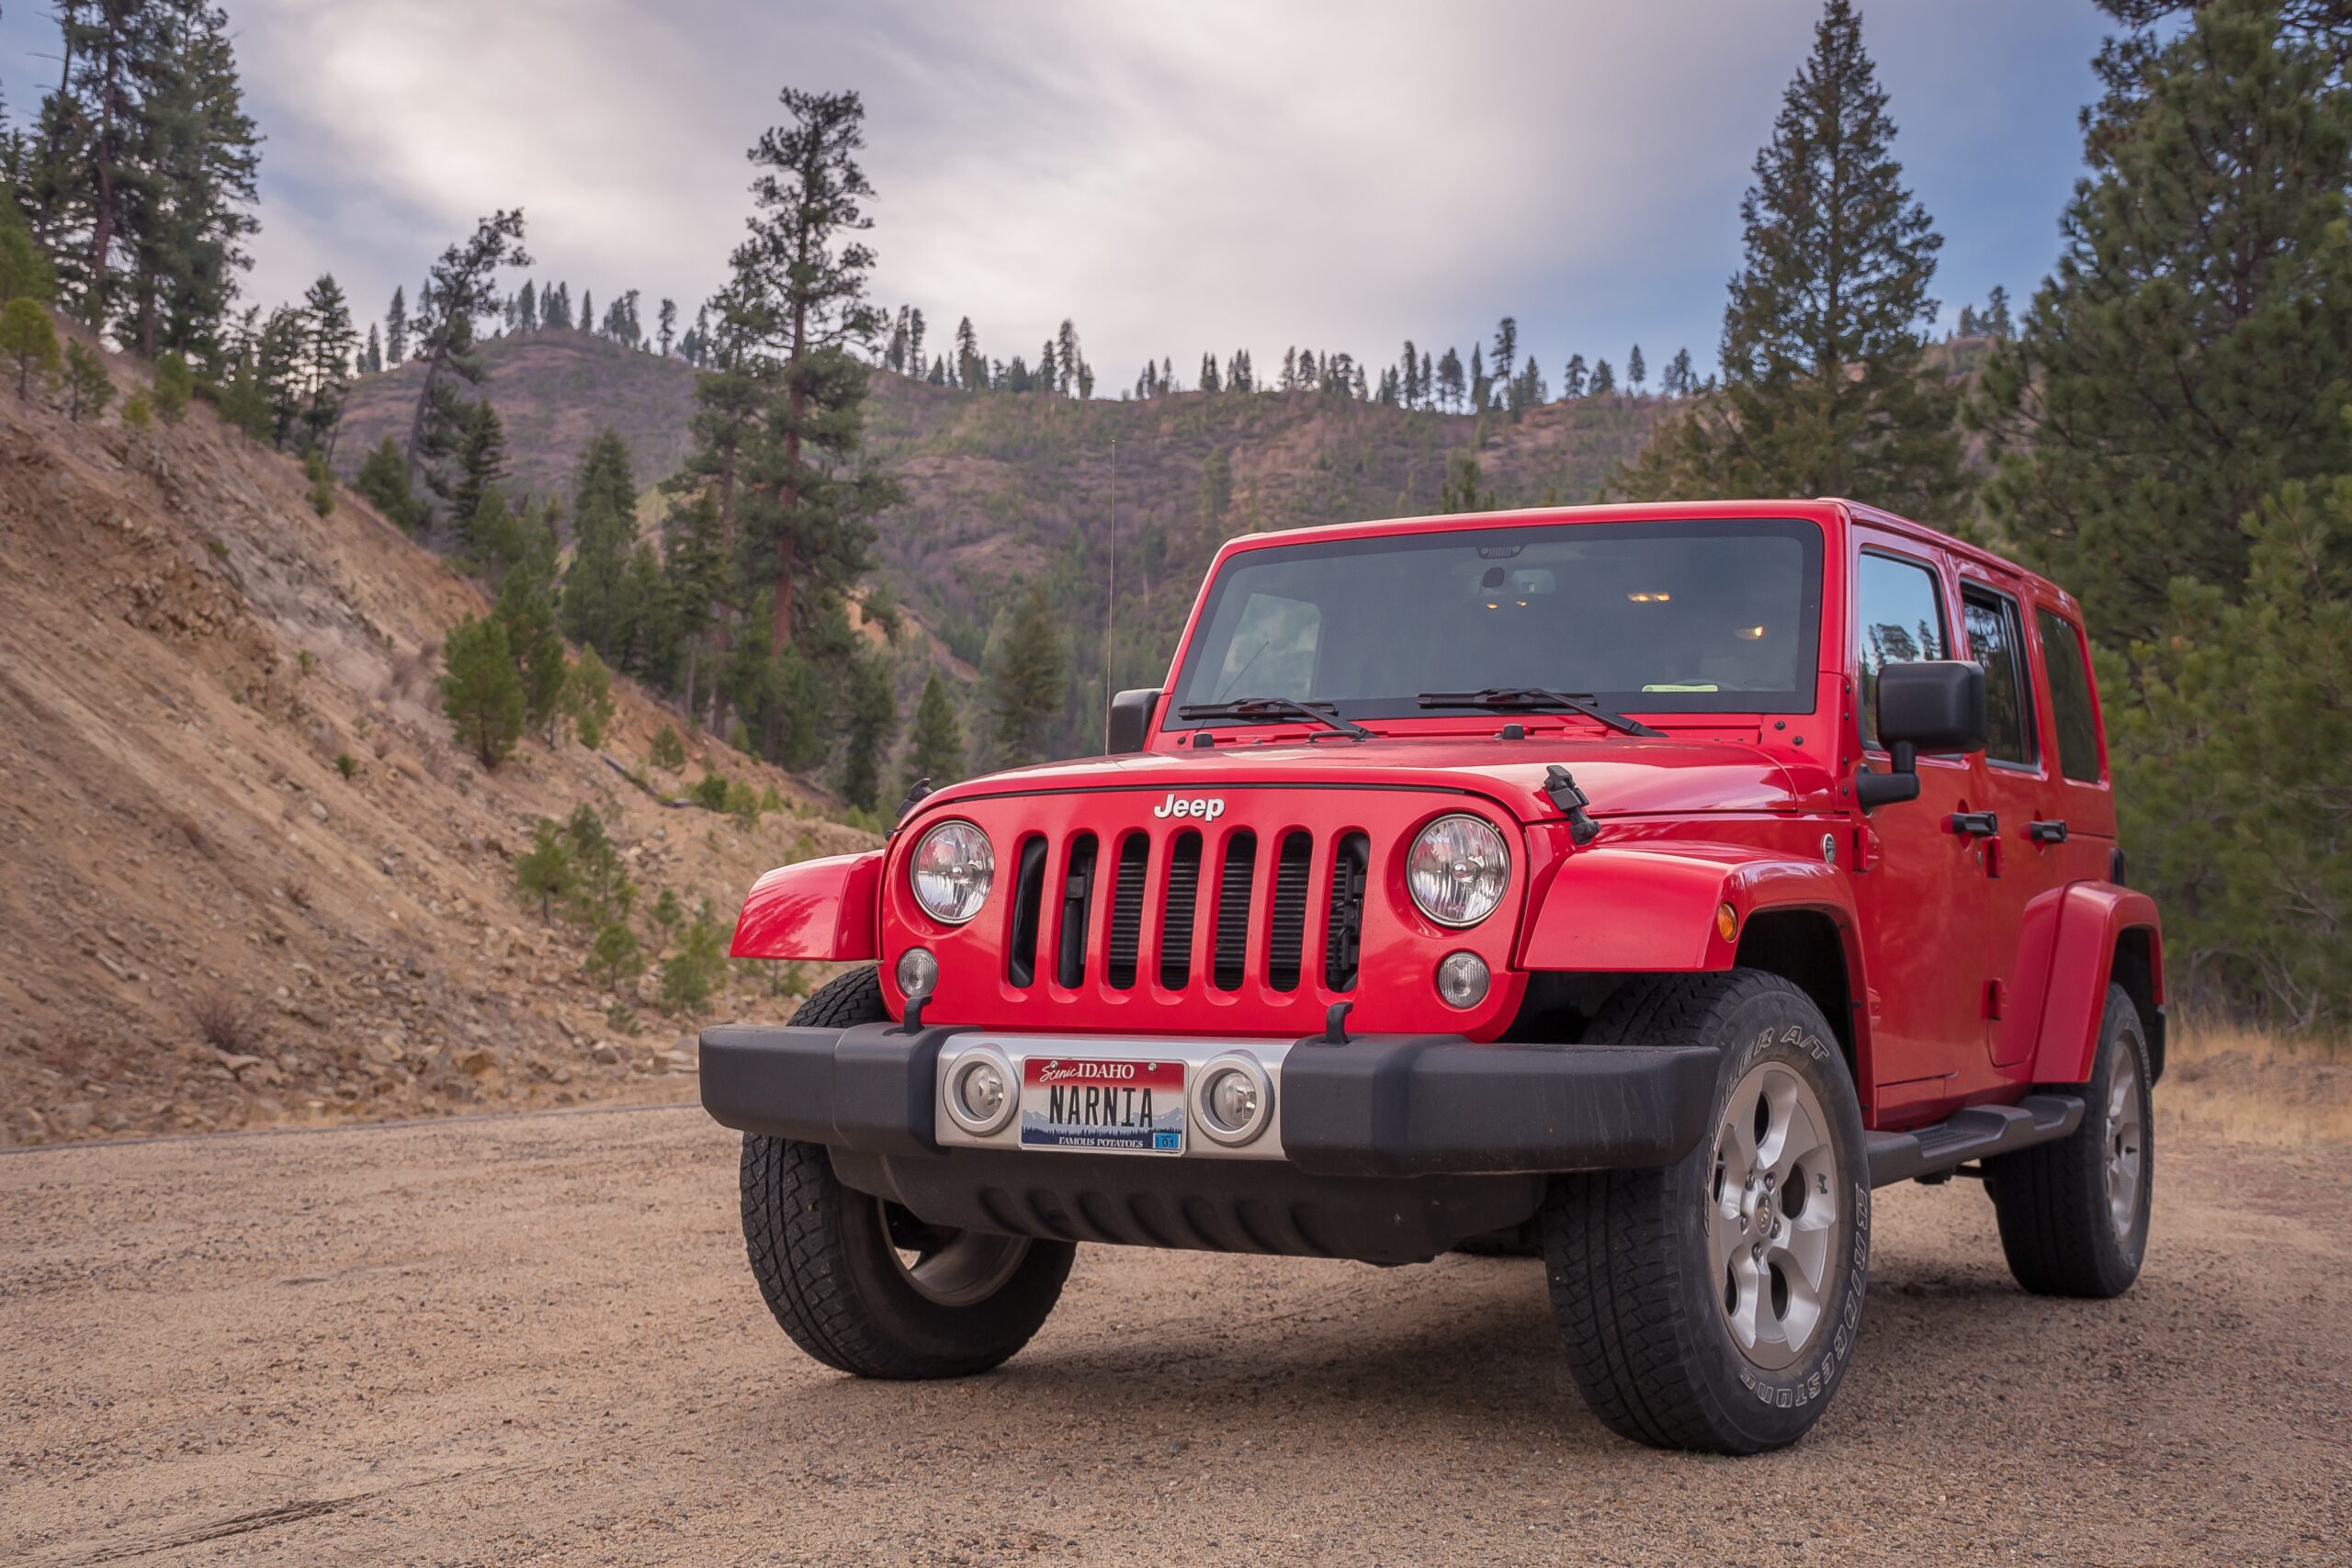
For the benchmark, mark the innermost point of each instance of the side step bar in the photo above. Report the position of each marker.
(1978, 1133)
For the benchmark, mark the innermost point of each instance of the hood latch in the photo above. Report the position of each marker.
(1560, 787)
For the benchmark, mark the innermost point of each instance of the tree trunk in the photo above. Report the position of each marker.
(416, 419)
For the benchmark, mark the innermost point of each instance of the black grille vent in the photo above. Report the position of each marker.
(1078, 895)
(1028, 900)
(1177, 909)
(1233, 890)
(1127, 911)
(1286, 938)
(1343, 941)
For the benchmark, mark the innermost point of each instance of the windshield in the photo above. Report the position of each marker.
(1646, 617)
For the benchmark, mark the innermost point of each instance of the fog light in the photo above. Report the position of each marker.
(1235, 1101)
(1462, 979)
(980, 1093)
(918, 972)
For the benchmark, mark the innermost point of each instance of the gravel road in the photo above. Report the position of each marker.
(495, 1340)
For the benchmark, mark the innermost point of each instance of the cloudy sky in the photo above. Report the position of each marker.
(1173, 176)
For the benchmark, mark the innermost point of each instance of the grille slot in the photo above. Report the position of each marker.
(1127, 911)
(1028, 899)
(1286, 936)
(1177, 909)
(1343, 937)
(1233, 890)
(1078, 896)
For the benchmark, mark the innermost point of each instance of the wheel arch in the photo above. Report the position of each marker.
(2103, 934)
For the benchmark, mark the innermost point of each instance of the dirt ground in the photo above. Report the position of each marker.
(500, 1339)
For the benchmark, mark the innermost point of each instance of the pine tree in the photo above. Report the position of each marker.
(371, 359)
(1823, 391)
(320, 493)
(934, 742)
(1636, 372)
(1680, 380)
(382, 478)
(26, 337)
(1410, 377)
(1603, 382)
(480, 689)
(174, 385)
(86, 382)
(2166, 381)
(598, 610)
(527, 308)
(1068, 358)
(1967, 320)
(1505, 357)
(1448, 380)
(807, 506)
(1995, 318)
(1025, 685)
(25, 272)
(396, 329)
(326, 367)
(536, 647)
(1482, 385)
(1573, 377)
(481, 468)
(666, 325)
(461, 286)
(588, 699)
(869, 721)
(970, 370)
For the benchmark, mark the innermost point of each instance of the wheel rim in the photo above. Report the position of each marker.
(953, 1268)
(2127, 1144)
(1774, 1209)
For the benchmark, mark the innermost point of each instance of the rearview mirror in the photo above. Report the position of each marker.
(1935, 705)
(1131, 719)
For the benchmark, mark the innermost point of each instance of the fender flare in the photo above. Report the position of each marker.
(1653, 908)
(2073, 964)
(821, 909)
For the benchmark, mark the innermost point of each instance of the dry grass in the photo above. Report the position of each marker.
(2248, 1087)
(224, 1019)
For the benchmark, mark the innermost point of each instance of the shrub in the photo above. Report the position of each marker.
(691, 976)
(139, 413)
(346, 764)
(322, 491)
(224, 1019)
(86, 383)
(667, 750)
(26, 337)
(614, 956)
(588, 697)
(667, 911)
(174, 384)
(710, 792)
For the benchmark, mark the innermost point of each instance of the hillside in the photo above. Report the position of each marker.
(185, 653)
(1004, 490)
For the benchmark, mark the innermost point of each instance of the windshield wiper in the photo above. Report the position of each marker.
(1271, 708)
(1537, 698)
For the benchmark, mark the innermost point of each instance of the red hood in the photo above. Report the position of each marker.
(1623, 775)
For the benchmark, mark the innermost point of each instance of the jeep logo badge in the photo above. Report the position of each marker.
(1207, 807)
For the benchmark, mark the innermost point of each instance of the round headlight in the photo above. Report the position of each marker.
(952, 871)
(1457, 870)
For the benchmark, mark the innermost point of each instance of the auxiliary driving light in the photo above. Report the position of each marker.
(918, 973)
(1462, 979)
(980, 1095)
(1236, 1099)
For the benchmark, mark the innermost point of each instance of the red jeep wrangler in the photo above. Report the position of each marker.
(1639, 885)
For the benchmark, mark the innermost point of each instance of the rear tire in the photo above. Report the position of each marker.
(2073, 1214)
(1701, 1309)
(862, 1285)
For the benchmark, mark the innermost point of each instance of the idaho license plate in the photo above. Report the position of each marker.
(1102, 1105)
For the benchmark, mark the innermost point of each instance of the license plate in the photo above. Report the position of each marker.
(1102, 1105)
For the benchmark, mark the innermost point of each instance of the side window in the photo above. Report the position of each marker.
(1996, 641)
(2072, 709)
(1898, 619)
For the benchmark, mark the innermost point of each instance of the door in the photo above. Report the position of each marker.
(1922, 899)
(2019, 802)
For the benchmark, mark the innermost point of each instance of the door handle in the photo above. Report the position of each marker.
(1974, 824)
(2046, 833)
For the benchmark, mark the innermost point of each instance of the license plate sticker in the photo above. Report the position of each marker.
(1102, 1105)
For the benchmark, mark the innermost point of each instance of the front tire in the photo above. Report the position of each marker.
(1714, 1304)
(862, 1284)
(2073, 1214)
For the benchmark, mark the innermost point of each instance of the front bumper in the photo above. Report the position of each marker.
(1393, 1148)
(1379, 1105)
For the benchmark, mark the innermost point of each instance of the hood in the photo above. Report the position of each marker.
(1623, 776)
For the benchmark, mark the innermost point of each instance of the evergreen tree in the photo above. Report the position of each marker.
(2193, 351)
(26, 337)
(1482, 385)
(372, 358)
(1636, 372)
(480, 689)
(174, 385)
(588, 699)
(1604, 380)
(1449, 380)
(914, 340)
(1573, 377)
(597, 603)
(536, 645)
(555, 308)
(870, 720)
(320, 493)
(1968, 321)
(527, 308)
(588, 310)
(279, 352)
(1068, 358)
(461, 286)
(396, 329)
(1823, 391)
(1679, 379)
(970, 371)
(1410, 377)
(934, 742)
(805, 525)
(326, 368)
(382, 480)
(1995, 318)
(481, 468)
(26, 273)
(1026, 687)
(666, 325)
(86, 383)
(1209, 381)
(1506, 356)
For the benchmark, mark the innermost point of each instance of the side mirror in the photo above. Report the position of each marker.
(1131, 718)
(1935, 705)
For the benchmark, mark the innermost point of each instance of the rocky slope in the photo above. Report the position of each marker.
(250, 878)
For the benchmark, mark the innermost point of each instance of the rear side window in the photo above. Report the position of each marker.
(1997, 641)
(2072, 710)
(1899, 619)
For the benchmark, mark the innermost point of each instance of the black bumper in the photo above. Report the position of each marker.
(1378, 1106)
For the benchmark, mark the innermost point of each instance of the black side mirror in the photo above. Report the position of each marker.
(1935, 705)
(1131, 718)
